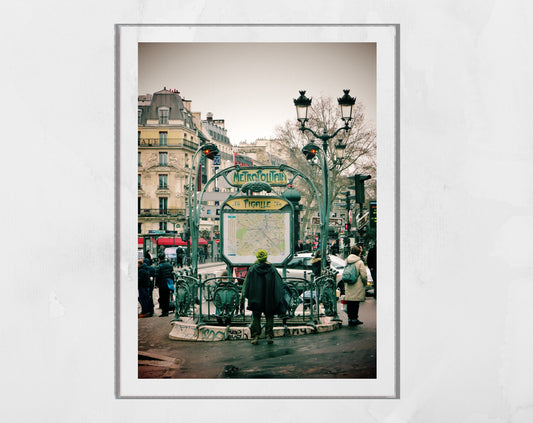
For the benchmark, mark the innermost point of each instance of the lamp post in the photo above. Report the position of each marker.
(346, 103)
(209, 151)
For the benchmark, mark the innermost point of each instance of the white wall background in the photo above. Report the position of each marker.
(466, 210)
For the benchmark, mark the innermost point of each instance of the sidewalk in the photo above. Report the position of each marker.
(349, 352)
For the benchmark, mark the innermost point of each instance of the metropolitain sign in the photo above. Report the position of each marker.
(272, 176)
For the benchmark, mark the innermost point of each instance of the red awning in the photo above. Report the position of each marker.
(173, 241)
(177, 241)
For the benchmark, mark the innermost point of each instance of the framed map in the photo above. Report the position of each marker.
(244, 233)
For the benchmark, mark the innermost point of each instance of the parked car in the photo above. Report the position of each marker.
(171, 254)
(300, 266)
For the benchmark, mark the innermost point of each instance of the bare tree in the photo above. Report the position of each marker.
(360, 152)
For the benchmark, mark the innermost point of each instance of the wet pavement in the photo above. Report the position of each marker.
(349, 352)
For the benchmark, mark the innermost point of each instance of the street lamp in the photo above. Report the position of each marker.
(311, 150)
(302, 104)
(209, 151)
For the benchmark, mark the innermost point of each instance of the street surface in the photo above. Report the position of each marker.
(349, 352)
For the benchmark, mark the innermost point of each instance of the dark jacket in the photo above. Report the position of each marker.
(316, 266)
(148, 263)
(263, 287)
(144, 280)
(163, 272)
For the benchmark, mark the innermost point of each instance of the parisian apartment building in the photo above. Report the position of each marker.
(168, 136)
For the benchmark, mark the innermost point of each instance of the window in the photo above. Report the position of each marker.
(138, 158)
(163, 202)
(139, 116)
(139, 228)
(138, 137)
(163, 138)
(186, 160)
(163, 181)
(163, 159)
(138, 205)
(162, 226)
(163, 115)
(139, 181)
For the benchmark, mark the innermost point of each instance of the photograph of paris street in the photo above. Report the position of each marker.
(257, 210)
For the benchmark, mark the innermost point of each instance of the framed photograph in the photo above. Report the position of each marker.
(247, 77)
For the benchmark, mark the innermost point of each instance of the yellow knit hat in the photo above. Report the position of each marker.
(261, 255)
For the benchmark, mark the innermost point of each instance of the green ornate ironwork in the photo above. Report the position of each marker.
(291, 289)
(226, 299)
(185, 298)
(256, 187)
(327, 288)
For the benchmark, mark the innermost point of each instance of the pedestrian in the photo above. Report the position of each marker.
(201, 255)
(179, 257)
(299, 246)
(263, 287)
(164, 276)
(371, 260)
(148, 256)
(316, 264)
(354, 292)
(145, 286)
(151, 270)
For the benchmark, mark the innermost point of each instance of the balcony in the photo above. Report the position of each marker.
(169, 142)
(161, 212)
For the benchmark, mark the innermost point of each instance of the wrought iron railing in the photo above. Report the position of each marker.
(219, 301)
(161, 212)
(169, 142)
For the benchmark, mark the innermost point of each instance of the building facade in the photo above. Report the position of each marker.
(262, 152)
(168, 136)
(167, 139)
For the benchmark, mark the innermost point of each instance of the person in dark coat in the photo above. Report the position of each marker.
(263, 287)
(316, 264)
(371, 261)
(148, 256)
(152, 279)
(163, 273)
(179, 257)
(145, 287)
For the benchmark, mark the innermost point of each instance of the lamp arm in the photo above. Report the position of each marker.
(324, 137)
(305, 128)
(345, 127)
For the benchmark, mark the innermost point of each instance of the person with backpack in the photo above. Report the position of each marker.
(354, 278)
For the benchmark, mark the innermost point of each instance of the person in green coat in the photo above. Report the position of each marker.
(355, 293)
(263, 287)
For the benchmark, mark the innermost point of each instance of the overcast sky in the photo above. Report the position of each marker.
(252, 85)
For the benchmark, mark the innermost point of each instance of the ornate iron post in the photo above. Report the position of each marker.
(294, 197)
(209, 151)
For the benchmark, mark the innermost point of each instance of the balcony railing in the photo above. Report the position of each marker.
(161, 212)
(169, 142)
